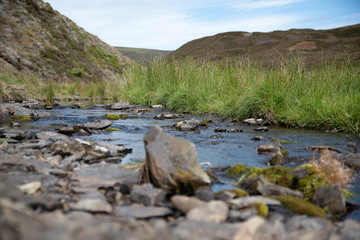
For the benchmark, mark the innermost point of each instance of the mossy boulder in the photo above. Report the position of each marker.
(237, 170)
(19, 118)
(301, 206)
(112, 116)
(123, 116)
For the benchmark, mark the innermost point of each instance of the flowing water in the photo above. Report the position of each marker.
(220, 149)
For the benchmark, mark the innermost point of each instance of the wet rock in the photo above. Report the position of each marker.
(15, 125)
(147, 195)
(157, 106)
(53, 136)
(171, 162)
(96, 125)
(241, 215)
(216, 136)
(259, 185)
(163, 116)
(262, 129)
(213, 211)
(12, 133)
(188, 125)
(330, 197)
(184, 203)
(353, 160)
(258, 138)
(195, 230)
(273, 147)
(92, 202)
(204, 194)
(253, 121)
(217, 129)
(68, 148)
(244, 202)
(120, 106)
(351, 146)
(16, 110)
(141, 212)
(31, 187)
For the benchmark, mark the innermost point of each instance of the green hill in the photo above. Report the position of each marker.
(142, 54)
(273, 47)
(37, 40)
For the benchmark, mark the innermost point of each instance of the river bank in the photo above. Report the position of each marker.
(51, 180)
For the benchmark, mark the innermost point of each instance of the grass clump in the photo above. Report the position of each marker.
(19, 118)
(301, 206)
(112, 116)
(323, 97)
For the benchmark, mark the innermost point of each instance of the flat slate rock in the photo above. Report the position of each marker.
(142, 212)
(92, 202)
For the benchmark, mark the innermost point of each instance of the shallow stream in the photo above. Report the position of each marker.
(220, 149)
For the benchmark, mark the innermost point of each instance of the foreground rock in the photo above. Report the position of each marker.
(172, 163)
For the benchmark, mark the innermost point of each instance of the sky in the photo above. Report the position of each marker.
(168, 24)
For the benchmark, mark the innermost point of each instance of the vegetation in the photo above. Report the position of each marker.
(112, 116)
(19, 118)
(301, 206)
(237, 192)
(322, 97)
(141, 54)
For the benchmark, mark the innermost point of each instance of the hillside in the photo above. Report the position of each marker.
(142, 54)
(272, 47)
(37, 40)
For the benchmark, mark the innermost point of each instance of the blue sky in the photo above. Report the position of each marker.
(168, 24)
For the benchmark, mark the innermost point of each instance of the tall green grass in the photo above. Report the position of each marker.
(323, 97)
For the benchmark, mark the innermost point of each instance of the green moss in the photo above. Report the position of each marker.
(2, 140)
(76, 72)
(310, 183)
(276, 175)
(238, 192)
(19, 118)
(284, 152)
(237, 170)
(123, 116)
(110, 129)
(205, 122)
(112, 116)
(279, 140)
(261, 209)
(301, 206)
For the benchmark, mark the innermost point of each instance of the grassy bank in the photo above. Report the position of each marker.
(23, 87)
(325, 97)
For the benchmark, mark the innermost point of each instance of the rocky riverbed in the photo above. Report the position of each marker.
(67, 173)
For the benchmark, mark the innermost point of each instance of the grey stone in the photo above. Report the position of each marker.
(184, 203)
(249, 229)
(157, 106)
(120, 106)
(331, 197)
(258, 138)
(273, 147)
(204, 194)
(213, 211)
(92, 202)
(306, 223)
(195, 230)
(241, 215)
(244, 202)
(166, 156)
(141, 212)
(352, 147)
(188, 125)
(163, 116)
(96, 125)
(262, 129)
(353, 160)
(146, 194)
(350, 229)
(259, 185)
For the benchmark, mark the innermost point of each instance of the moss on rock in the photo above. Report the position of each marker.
(110, 129)
(237, 170)
(124, 116)
(112, 116)
(19, 118)
(301, 206)
(261, 209)
(238, 192)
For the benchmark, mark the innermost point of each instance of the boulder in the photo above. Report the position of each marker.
(213, 211)
(96, 125)
(331, 197)
(353, 160)
(120, 106)
(171, 163)
(147, 195)
(258, 184)
(185, 204)
(188, 125)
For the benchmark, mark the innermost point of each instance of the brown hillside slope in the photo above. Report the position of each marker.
(313, 45)
(38, 40)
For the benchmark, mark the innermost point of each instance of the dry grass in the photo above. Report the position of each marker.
(333, 169)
